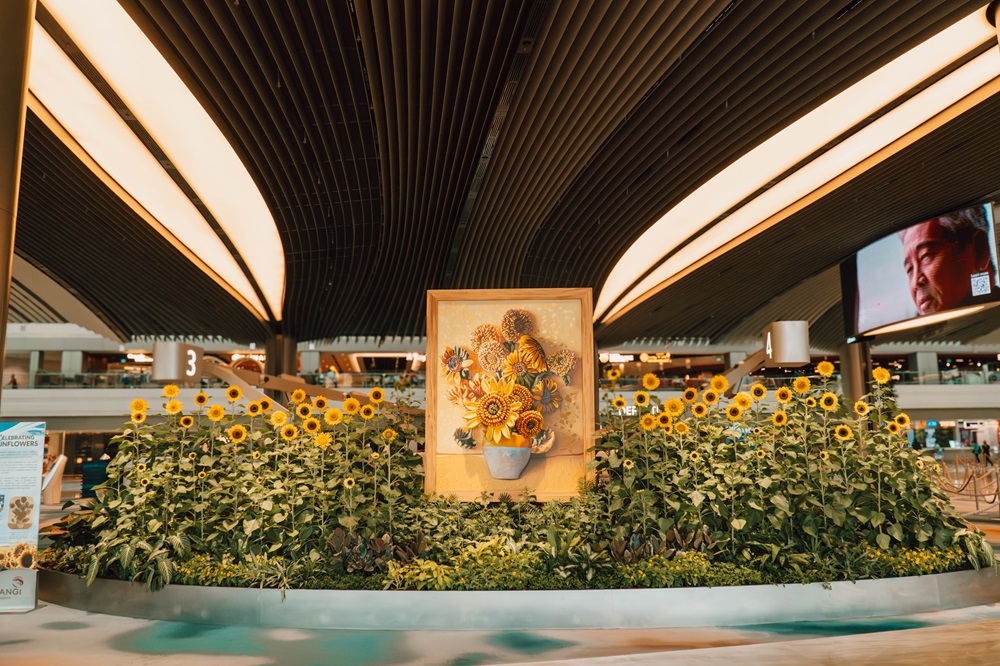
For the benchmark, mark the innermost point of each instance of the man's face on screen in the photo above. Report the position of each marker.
(938, 270)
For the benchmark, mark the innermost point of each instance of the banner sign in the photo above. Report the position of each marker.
(22, 449)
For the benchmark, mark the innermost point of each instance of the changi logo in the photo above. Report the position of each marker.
(14, 590)
(18, 581)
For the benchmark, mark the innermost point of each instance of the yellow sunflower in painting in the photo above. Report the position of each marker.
(496, 411)
(545, 394)
(529, 423)
(531, 352)
(524, 396)
(515, 367)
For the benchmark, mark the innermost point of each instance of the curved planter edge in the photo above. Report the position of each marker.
(574, 609)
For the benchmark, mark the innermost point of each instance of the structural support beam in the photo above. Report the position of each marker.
(16, 19)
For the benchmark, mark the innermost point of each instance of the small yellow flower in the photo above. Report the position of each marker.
(613, 374)
(719, 383)
(216, 413)
(892, 427)
(902, 420)
(187, 421)
(289, 432)
(376, 455)
(628, 464)
(138, 417)
(663, 420)
(828, 401)
(323, 440)
(843, 433)
(141, 467)
(825, 369)
(202, 475)
(304, 410)
(234, 393)
(389, 435)
(311, 424)
(253, 408)
(761, 453)
(919, 464)
(689, 395)
(171, 391)
(144, 482)
(779, 419)
(710, 397)
(320, 403)
(333, 416)
(200, 399)
(783, 395)
(173, 407)
(351, 406)
(650, 382)
(674, 407)
(192, 455)
(823, 455)
(279, 419)
(810, 401)
(237, 433)
(699, 409)
(138, 405)
(255, 455)
(376, 395)
(265, 405)
(694, 456)
(641, 398)
(367, 412)
(801, 384)
(298, 395)
(648, 421)
(349, 482)
(881, 375)
(758, 391)
(619, 402)
(861, 408)
(733, 412)
(681, 428)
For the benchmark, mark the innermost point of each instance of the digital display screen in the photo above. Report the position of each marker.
(944, 263)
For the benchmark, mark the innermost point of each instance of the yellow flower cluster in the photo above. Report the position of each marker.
(917, 561)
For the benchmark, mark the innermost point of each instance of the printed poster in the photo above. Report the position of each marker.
(22, 449)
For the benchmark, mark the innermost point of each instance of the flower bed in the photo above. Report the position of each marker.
(690, 492)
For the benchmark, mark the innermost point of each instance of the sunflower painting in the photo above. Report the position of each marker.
(510, 395)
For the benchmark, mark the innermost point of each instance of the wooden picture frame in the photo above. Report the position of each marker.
(546, 323)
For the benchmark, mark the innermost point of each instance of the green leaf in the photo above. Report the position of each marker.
(883, 541)
(781, 502)
(764, 482)
(738, 523)
(896, 530)
(696, 497)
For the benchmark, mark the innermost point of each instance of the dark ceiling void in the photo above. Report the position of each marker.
(409, 145)
(72, 227)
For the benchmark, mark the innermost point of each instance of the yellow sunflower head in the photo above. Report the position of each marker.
(674, 406)
(719, 383)
(919, 464)
(699, 409)
(743, 400)
(389, 435)
(376, 395)
(279, 419)
(648, 421)
(824, 456)
(323, 440)
(881, 375)
(810, 401)
(779, 418)
(171, 391)
(828, 401)
(663, 419)
(902, 420)
(681, 428)
(202, 475)
(694, 456)
(758, 391)
(311, 425)
(733, 412)
(304, 410)
(298, 395)
(825, 369)
(200, 399)
(138, 405)
(619, 402)
(144, 482)
(141, 467)
(892, 427)
(333, 416)
(783, 395)
(173, 407)
(349, 482)
(320, 403)
(289, 432)
(234, 393)
(641, 399)
(255, 455)
(237, 433)
(351, 406)
(529, 423)
(628, 464)
(801, 384)
(216, 413)
(192, 455)
(613, 374)
(187, 421)
(843, 433)
(265, 405)
(650, 382)
(761, 453)
(689, 395)
(138, 417)
(710, 397)
(367, 412)
(253, 408)
(861, 408)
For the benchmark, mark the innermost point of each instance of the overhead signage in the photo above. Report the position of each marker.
(786, 343)
(22, 449)
(176, 362)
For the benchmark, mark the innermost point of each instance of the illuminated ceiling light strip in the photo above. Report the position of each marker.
(46, 117)
(776, 156)
(926, 320)
(165, 107)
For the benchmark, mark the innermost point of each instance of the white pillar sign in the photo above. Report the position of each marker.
(22, 449)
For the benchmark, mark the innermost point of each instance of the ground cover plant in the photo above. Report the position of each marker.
(790, 485)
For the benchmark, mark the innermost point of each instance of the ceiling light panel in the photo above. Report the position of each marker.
(165, 107)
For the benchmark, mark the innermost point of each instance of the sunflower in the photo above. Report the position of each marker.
(171, 391)
(389, 435)
(648, 421)
(523, 395)
(200, 399)
(491, 355)
(563, 362)
(783, 395)
(881, 375)
(298, 395)
(141, 467)
(253, 408)
(843, 433)
(216, 413)
(367, 412)
(694, 456)
(699, 409)
(187, 421)
(825, 369)
(349, 482)
(674, 406)
(351, 406)
(279, 419)
(861, 408)
(619, 402)
(138, 417)
(455, 363)
(138, 405)
(719, 383)
(663, 419)
(733, 412)
(810, 401)
(173, 407)
(532, 353)
(323, 440)
(902, 420)
(496, 412)
(255, 455)
(628, 464)
(265, 405)
(234, 393)
(892, 427)
(484, 333)
(515, 366)
(143, 482)
(311, 425)
(289, 432)
(824, 456)
(710, 397)
(237, 433)
(530, 423)
(192, 455)
(320, 403)
(761, 453)
(376, 455)
(919, 464)
(681, 428)
(333, 416)
(641, 399)
(613, 374)
(801, 384)
(516, 323)
(743, 400)
(779, 419)
(689, 395)
(667, 429)
(758, 391)
(304, 410)
(546, 396)
(828, 401)
(202, 475)
(650, 382)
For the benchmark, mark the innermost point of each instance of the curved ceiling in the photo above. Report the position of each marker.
(404, 146)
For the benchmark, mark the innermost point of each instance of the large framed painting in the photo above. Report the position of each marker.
(510, 391)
